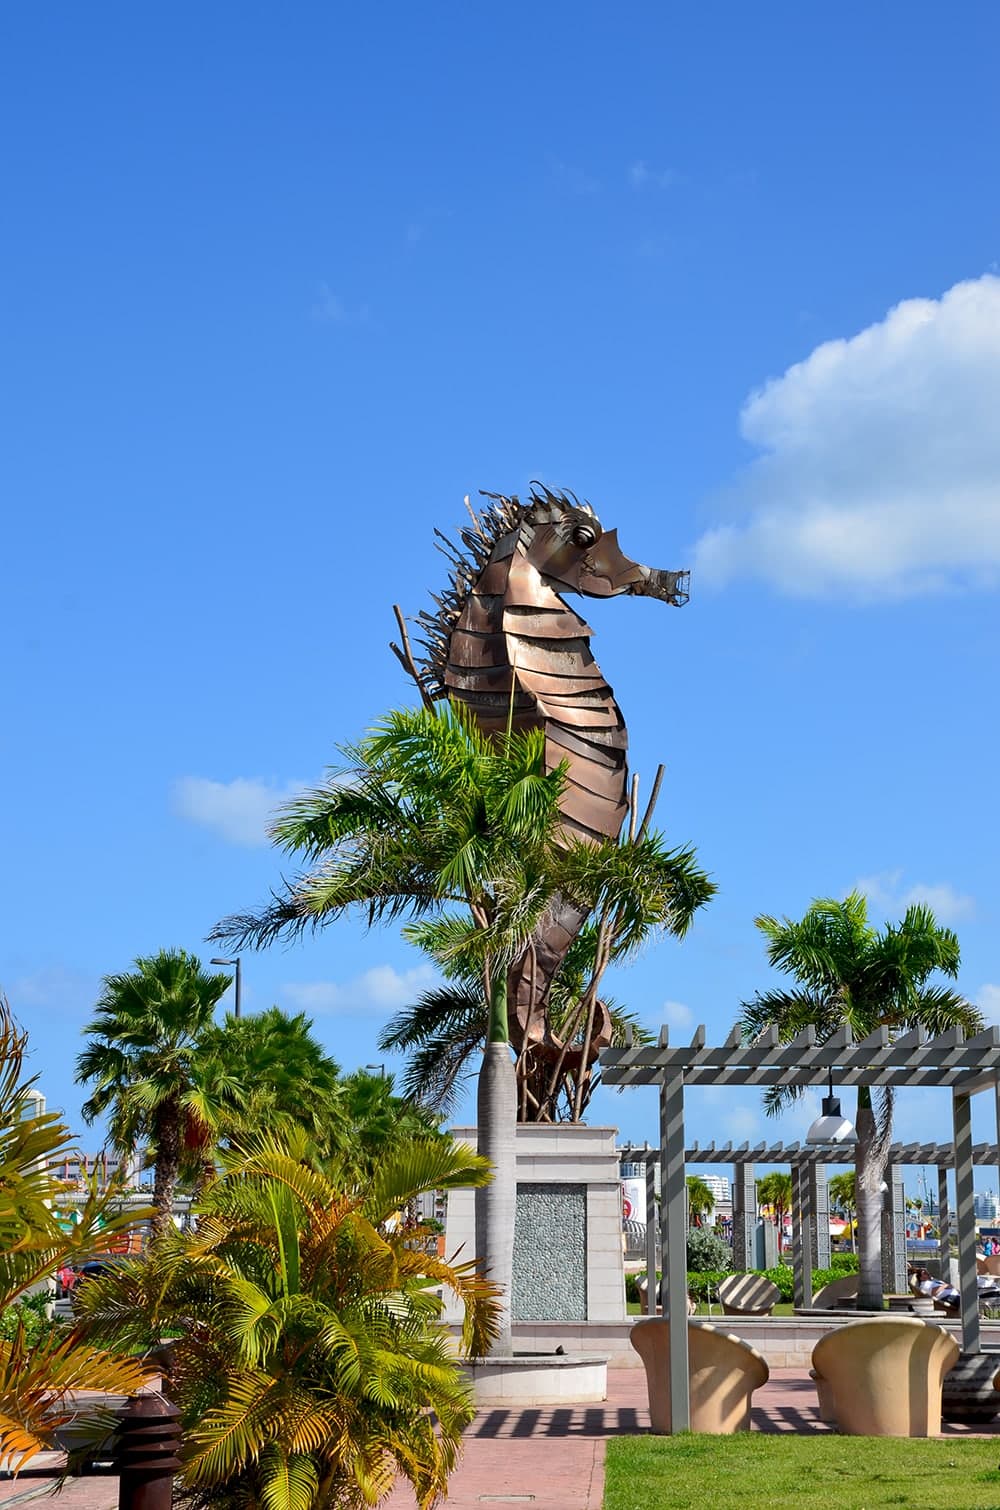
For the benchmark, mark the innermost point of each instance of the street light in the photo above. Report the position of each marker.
(379, 1067)
(239, 978)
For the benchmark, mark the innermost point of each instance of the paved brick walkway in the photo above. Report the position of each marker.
(546, 1458)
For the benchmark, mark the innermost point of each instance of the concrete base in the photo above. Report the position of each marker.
(537, 1379)
(785, 1341)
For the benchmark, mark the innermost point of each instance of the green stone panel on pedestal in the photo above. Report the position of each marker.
(550, 1253)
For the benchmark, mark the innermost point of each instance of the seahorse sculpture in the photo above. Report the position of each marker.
(504, 642)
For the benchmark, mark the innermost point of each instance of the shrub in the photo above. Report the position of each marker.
(704, 1285)
(706, 1250)
(34, 1323)
(844, 1263)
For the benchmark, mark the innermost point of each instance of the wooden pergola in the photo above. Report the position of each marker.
(949, 1061)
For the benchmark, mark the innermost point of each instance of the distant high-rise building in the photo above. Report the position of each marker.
(718, 1184)
(984, 1206)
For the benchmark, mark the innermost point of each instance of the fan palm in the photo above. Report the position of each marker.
(142, 1059)
(272, 1072)
(848, 972)
(41, 1380)
(310, 1352)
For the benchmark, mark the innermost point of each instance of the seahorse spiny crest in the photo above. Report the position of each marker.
(501, 517)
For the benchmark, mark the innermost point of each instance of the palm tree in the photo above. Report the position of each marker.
(700, 1199)
(431, 813)
(848, 972)
(276, 1074)
(774, 1192)
(842, 1198)
(45, 1380)
(310, 1364)
(142, 1059)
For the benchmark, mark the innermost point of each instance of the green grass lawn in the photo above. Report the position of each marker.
(753, 1470)
(783, 1308)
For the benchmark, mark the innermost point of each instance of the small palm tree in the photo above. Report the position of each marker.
(42, 1381)
(700, 1199)
(774, 1194)
(843, 1198)
(142, 1060)
(847, 972)
(310, 1352)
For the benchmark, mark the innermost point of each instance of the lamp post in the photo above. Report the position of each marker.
(239, 979)
(379, 1067)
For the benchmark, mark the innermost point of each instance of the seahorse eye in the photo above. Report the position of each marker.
(584, 535)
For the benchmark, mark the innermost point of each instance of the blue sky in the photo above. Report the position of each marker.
(278, 290)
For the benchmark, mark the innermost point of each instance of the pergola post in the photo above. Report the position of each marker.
(894, 1232)
(673, 1243)
(965, 1216)
(651, 1221)
(944, 1221)
(744, 1216)
(801, 1233)
(820, 1201)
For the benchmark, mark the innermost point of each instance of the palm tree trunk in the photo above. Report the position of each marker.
(168, 1159)
(496, 1202)
(869, 1168)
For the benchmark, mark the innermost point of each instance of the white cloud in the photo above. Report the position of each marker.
(380, 989)
(330, 309)
(741, 1122)
(239, 810)
(887, 894)
(880, 471)
(54, 987)
(642, 176)
(987, 999)
(676, 1015)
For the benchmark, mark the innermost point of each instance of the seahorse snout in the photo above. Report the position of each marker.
(669, 586)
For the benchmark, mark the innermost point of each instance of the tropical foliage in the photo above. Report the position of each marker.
(442, 1035)
(177, 1085)
(44, 1370)
(143, 1062)
(310, 1352)
(847, 972)
(700, 1199)
(843, 1198)
(272, 1072)
(774, 1195)
(429, 815)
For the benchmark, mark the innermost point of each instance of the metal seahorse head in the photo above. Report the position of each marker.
(566, 542)
(560, 546)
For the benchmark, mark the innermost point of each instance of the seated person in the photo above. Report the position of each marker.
(921, 1283)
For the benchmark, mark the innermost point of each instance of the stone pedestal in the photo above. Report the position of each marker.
(568, 1257)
